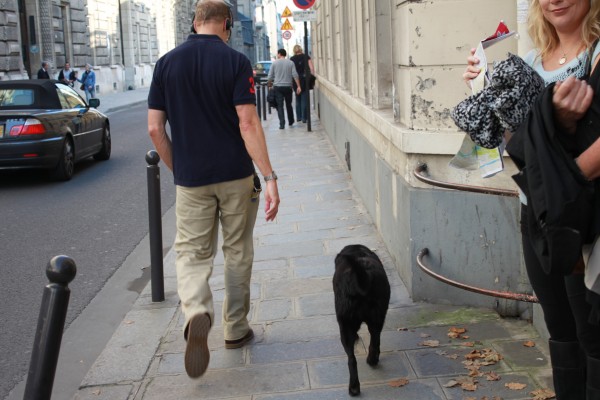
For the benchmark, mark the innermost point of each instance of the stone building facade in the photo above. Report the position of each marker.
(121, 39)
(389, 73)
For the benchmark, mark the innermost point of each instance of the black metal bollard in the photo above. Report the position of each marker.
(155, 225)
(264, 102)
(258, 100)
(51, 322)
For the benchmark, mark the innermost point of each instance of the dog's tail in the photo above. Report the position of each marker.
(356, 276)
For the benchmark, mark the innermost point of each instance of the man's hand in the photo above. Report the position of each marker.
(298, 90)
(271, 200)
(571, 99)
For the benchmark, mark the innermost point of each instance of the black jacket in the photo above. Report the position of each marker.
(43, 74)
(560, 200)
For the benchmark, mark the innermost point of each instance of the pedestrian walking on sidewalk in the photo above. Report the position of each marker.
(281, 75)
(565, 33)
(299, 59)
(88, 82)
(205, 90)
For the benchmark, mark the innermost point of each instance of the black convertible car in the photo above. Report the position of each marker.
(46, 124)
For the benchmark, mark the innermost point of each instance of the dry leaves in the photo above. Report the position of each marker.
(515, 385)
(529, 343)
(430, 343)
(399, 382)
(543, 394)
(457, 333)
(466, 383)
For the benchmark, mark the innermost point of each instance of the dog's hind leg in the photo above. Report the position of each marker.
(375, 329)
(348, 338)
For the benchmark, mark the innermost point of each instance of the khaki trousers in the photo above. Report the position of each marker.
(199, 210)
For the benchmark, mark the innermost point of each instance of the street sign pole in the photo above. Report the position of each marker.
(307, 74)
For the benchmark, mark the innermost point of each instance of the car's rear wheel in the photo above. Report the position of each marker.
(66, 163)
(104, 153)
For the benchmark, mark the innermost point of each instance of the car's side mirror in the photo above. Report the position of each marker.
(94, 103)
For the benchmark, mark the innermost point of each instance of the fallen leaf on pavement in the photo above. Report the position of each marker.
(529, 343)
(399, 382)
(424, 335)
(451, 383)
(492, 376)
(430, 343)
(543, 394)
(515, 385)
(468, 344)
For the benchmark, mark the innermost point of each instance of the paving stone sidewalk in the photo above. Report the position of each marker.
(296, 354)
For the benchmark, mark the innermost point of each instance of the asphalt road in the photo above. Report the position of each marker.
(98, 218)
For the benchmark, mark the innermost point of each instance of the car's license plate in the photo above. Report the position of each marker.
(1, 131)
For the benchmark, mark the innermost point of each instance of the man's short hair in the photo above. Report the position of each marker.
(214, 10)
(44, 63)
(282, 52)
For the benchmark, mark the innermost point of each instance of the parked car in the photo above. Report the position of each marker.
(45, 124)
(261, 71)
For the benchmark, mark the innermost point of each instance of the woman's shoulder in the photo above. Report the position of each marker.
(530, 57)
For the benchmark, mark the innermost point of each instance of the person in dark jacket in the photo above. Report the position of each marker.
(43, 72)
(67, 75)
(302, 99)
(564, 33)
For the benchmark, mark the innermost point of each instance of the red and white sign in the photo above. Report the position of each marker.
(304, 4)
(287, 35)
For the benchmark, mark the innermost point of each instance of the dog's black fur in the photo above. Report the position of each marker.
(362, 294)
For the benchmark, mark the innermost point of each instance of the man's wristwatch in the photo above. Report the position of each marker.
(272, 177)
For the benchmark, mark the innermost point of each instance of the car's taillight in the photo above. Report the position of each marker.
(31, 126)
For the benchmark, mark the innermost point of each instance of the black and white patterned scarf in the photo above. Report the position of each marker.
(502, 105)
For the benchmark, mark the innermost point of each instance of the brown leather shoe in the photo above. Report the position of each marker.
(197, 354)
(236, 344)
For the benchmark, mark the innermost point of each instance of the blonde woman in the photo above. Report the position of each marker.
(302, 98)
(564, 33)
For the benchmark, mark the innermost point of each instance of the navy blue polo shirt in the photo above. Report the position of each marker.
(198, 84)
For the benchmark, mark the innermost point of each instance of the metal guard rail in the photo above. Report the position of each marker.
(494, 293)
(422, 167)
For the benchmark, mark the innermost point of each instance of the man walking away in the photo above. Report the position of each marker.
(205, 91)
(281, 75)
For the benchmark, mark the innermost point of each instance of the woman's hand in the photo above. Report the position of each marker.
(472, 70)
(571, 99)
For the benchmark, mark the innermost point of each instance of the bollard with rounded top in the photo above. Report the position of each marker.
(155, 225)
(61, 270)
(258, 100)
(152, 157)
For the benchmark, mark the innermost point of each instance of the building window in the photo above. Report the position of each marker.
(101, 39)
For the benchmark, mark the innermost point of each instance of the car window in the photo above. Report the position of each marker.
(72, 98)
(262, 67)
(16, 97)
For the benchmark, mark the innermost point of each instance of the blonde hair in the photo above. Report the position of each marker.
(212, 10)
(544, 35)
(297, 49)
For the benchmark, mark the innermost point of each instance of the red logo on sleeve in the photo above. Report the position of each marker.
(252, 90)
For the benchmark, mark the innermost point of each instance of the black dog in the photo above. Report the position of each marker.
(362, 294)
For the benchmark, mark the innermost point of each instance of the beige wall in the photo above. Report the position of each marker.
(402, 62)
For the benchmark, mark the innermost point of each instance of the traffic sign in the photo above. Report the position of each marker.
(286, 13)
(287, 26)
(306, 15)
(304, 4)
(287, 35)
